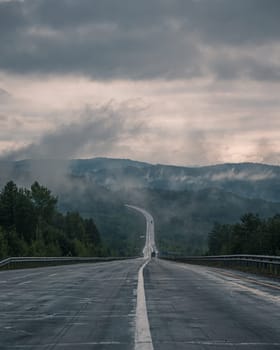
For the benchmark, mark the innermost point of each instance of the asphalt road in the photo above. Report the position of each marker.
(93, 306)
(141, 304)
(86, 306)
(150, 245)
(194, 307)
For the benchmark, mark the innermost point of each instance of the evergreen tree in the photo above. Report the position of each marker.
(31, 225)
(251, 235)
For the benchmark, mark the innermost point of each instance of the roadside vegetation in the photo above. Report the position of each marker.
(252, 235)
(31, 225)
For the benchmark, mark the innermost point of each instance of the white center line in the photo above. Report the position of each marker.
(143, 339)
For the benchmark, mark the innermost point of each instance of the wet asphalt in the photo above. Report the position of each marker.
(86, 306)
(194, 307)
(92, 306)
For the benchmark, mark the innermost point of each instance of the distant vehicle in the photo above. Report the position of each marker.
(153, 255)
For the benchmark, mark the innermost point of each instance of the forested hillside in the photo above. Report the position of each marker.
(30, 224)
(184, 201)
(183, 219)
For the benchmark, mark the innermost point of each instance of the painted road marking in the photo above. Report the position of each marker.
(26, 282)
(216, 275)
(251, 280)
(143, 339)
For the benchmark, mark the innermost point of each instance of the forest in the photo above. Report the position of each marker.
(252, 235)
(31, 225)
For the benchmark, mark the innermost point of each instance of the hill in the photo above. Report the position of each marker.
(185, 201)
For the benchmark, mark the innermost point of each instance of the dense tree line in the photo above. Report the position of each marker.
(30, 224)
(252, 235)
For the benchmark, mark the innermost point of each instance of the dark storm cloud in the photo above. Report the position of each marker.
(227, 67)
(138, 39)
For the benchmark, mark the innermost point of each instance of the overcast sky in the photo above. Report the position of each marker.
(188, 82)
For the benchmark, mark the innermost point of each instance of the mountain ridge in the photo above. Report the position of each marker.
(250, 180)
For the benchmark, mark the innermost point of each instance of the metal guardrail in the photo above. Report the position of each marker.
(261, 263)
(46, 261)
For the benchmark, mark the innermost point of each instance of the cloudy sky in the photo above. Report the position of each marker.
(188, 82)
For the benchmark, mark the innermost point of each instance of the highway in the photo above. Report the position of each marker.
(140, 304)
(195, 307)
(86, 306)
(150, 245)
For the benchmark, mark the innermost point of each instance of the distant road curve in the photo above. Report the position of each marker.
(150, 245)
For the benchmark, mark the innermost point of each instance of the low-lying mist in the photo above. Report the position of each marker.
(185, 202)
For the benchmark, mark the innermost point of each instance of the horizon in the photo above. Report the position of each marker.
(140, 161)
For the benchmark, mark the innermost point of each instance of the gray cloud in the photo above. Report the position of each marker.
(269, 153)
(98, 132)
(4, 95)
(45, 45)
(139, 40)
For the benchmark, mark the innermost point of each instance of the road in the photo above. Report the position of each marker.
(86, 306)
(150, 245)
(194, 308)
(141, 304)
